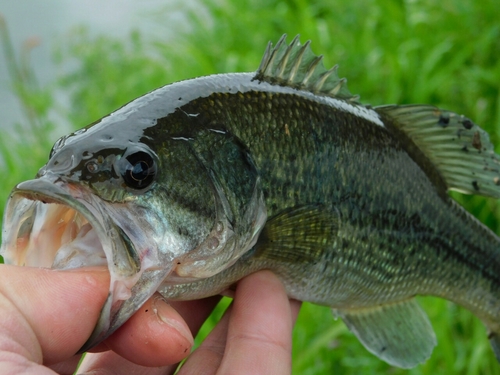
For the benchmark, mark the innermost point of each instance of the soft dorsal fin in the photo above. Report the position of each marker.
(296, 66)
(459, 149)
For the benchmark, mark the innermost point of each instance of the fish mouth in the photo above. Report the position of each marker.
(53, 224)
(50, 234)
(60, 226)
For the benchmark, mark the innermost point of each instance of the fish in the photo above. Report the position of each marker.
(199, 183)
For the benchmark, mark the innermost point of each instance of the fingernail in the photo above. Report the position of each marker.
(168, 315)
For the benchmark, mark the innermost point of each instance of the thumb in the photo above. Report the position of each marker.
(47, 315)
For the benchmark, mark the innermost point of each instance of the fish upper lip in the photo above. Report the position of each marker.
(124, 267)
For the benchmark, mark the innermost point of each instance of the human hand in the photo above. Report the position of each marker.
(46, 316)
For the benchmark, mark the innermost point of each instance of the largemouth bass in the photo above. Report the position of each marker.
(190, 187)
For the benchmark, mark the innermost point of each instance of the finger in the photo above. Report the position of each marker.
(206, 359)
(147, 340)
(156, 335)
(295, 309)
(66, 367)
(47, 315)
(196, 312)
(110, 363)
(259, 339)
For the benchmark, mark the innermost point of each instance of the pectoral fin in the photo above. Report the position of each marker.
(399, 333)
(298, 235)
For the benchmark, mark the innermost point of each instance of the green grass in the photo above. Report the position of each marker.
(443, 53)
(26, 144)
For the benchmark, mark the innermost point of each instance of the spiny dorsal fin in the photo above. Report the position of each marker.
(457, 147)
(297, 66)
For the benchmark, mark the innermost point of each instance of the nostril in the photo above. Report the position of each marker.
(41, 172)
(64, 162)
(61, 163)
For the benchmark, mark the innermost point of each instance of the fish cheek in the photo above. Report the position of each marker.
(183, 198)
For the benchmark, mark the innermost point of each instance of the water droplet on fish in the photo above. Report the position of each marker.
(219, 227)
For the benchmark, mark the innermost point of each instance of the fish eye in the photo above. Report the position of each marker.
(139, 170)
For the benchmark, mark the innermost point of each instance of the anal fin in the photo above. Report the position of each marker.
(398, 333)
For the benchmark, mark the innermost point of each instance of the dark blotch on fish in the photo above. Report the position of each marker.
(468, 124)
(444, 120)
(476, 141)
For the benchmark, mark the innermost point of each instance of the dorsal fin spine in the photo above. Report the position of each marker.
(321, 80)
(295, 65)
(312, 68)
(298, 61)
(265, 59)
(337, 88)
(286, 56)
(273, 53)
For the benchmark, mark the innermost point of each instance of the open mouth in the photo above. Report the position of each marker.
(54, 235)
(53, 224)
(46, 226)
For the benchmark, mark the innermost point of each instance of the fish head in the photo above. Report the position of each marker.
(108, 196)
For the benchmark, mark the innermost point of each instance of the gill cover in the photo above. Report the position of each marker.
(240, 208)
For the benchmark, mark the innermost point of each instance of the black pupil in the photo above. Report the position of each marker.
(139, 171)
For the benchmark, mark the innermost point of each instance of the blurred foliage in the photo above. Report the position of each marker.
(393, 51)
(26, 144)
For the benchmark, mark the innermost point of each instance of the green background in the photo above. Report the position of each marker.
(444, 53)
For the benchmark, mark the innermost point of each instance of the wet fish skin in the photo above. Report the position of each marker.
(208, 180)
(391, 230)
(375, 204)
